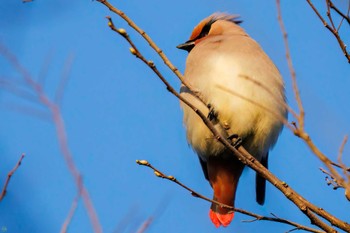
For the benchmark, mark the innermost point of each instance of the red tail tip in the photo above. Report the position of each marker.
(220, 219)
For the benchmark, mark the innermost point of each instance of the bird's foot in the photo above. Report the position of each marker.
(212, 115)
(236, 140)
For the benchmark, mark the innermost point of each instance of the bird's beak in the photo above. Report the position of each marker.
(188, 46)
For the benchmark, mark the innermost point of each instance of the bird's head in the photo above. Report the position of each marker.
(216, 24)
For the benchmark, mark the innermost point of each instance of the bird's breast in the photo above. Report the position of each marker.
(229, 82)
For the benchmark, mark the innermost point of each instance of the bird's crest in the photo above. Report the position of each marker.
(204, 26)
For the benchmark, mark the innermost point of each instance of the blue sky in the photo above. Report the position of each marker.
(116, 111)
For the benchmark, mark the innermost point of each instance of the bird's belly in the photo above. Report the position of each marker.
(257, 128)
(199, 136)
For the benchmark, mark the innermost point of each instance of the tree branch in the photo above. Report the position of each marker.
(9, 175)
(257, 217)
(151, 43)
(61, 134)
(72, 210)
(332, 30)
(346, 17)
(299, 130)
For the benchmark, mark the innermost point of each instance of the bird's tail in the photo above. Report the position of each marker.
(223, 176)
(260, 183)
(220, 215)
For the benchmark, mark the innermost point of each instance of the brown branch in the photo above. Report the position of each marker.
(339, 166)
(69, 218)
(340, 154)
(300, 118)
(61, 135)
(63, 81)
(257, 217)
(332, 30)
(346, 17)
(146, 37)
(31, 111)
(340, 163)
(151, 43)
(9, 175)
(15, 89)
(329, 15)
(325, 160)
(332, 181)
(341, 148)
(305, 206)
(145, 225)
(300, 131)
(344, 168)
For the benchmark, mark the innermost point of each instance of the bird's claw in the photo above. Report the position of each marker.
(212, 115)
(236, 140)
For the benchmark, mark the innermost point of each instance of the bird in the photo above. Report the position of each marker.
(242, 93)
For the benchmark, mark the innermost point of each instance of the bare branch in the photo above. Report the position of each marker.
(257, 217)
(30, 111)
(346, 17)
(64, 80)
(44, 69)
(300, 118)
(337, 165)
(61, 134)
(300, 131)
(145, 225)
(332, 30)
(9, 175)
(341, 149)
(69, 218)
(151, 43)
(16, 90)
(332, 181)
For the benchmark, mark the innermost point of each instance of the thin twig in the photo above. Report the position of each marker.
(61, 135)
(153, 45)
(341, 149)
(44, 69)
(72, 210)
(17, 90)
(346, 17)
(337, 165)
(300, 118)
(28, 110)
(9, 175)
(63, 80)
(300, 131)
(344, 168)
(145, 225)
(332, 181)
(329, 15)
(333, 31)
(146, 37)
(257, 217)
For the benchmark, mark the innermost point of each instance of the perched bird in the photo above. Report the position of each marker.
(244, 95)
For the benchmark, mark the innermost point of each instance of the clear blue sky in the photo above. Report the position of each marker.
(117, 111)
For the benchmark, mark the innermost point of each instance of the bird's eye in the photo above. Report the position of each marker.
(205, 30)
